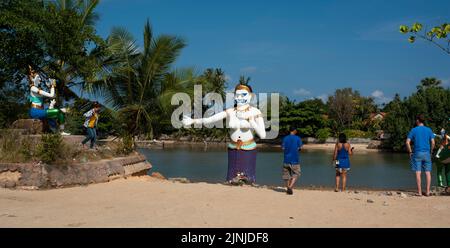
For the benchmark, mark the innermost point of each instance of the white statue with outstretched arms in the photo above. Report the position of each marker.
(243, 121)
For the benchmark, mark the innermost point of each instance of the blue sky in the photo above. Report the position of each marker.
(302, 49)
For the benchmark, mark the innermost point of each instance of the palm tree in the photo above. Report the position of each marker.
(138, 82)
(244, 80)
(82, 64)
(215, 81)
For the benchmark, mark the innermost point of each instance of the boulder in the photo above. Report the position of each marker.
(158, 175)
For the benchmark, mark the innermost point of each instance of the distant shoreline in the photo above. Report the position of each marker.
(180, 143)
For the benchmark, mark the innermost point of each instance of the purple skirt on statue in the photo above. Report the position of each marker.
(242, 161)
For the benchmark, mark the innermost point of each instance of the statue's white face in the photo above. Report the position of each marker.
(242, 97)
(37, 80)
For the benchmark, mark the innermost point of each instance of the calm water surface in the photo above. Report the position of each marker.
(368, 170)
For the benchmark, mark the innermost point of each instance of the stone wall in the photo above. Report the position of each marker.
(42, 176)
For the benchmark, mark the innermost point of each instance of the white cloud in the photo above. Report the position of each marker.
(248, 69)
(379, 97)
(378, 94)
(302, 92)
(323, 97)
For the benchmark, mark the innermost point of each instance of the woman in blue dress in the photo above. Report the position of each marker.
(341, 158)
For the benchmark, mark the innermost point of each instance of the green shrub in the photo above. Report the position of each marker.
(323, 134)
(15, 147)
(51, 148)
(26, 148)
(126, 145)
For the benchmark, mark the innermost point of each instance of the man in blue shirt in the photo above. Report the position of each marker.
(291, 165)
(423, 140)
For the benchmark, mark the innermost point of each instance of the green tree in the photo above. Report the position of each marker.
(396, 124)
(21, 43)
(431, 99)
(307, 116)
(341, 107)
(429, 83)
(57, 38)
(363, 108)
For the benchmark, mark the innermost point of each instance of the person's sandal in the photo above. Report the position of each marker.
(289, 191)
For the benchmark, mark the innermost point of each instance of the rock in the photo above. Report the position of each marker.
(179, 179)
(389, 193)
(164, 137)
(31, 126)
(403, 195)
(356, 192)
(27, 187)
(158, 175)
(370, 201)
(374, 144)
(385, 204)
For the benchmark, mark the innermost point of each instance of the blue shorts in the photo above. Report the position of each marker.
(421, 161)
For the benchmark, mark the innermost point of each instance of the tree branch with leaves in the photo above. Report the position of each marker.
(438, 35)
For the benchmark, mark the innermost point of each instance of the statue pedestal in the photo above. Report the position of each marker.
(29, 126)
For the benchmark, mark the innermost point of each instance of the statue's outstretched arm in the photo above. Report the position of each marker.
(187, 121)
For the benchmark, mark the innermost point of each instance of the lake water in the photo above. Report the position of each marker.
(368, 170)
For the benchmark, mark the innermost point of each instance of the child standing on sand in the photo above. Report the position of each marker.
(341, 158)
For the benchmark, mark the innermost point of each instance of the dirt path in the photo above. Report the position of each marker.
(149, 202)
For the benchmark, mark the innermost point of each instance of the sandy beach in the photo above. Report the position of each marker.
(150, 202)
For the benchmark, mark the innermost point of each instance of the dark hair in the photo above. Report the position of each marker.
(421, 118)
(292, 129)
(342, 138)
(96, 104)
